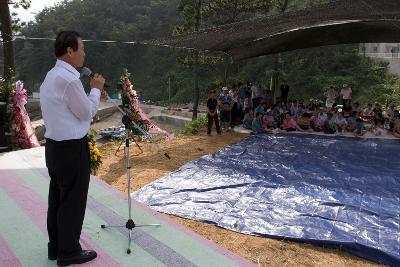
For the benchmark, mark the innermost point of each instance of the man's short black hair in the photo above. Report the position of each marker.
(64, 40)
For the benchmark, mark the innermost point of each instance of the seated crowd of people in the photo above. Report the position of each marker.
(258, 111)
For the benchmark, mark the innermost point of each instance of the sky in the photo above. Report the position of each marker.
(36, 6)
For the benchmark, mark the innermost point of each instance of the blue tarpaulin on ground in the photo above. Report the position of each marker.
(315, 189)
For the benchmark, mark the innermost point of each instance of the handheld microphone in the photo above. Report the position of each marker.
(88, 73)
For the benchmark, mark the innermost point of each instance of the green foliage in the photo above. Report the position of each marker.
(308, 72)
(195, 125)
(91, 134)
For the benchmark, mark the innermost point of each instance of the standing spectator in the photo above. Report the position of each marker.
(269, 98)
(254, 94)
(247, 96)
(212, 116)
(346, 95)
(242, 93)
(225, 104)
(284, 93)
(331, 96)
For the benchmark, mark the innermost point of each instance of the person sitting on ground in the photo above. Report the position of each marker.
(304, 123)
(377, 109)
(379, 127)
(269, 120)
(329, 125)
(390, 112)
(357, 108)
(260, 108)
(289, 124)
(257, 125)
(293, 108)
(301, 110)
(317, 122)
(396, 130)
(394, 120)
(248, 119)
(340, 123)
(351, 121)
(359, 129)
(369, 111)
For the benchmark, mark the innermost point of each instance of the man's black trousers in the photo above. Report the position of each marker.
(212, 119)
(68, 164)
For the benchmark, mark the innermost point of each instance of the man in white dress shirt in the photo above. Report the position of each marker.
(67, 113)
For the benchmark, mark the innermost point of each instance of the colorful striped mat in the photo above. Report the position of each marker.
(23, 237)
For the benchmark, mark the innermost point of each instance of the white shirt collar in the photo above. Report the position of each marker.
(68, 67)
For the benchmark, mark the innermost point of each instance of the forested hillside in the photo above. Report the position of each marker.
(307, 71)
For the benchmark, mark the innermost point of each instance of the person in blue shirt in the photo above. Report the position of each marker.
(359, 129)
(257, 124)
(248, 119)
(260, 108)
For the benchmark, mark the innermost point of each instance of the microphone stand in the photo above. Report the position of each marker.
(130, 224)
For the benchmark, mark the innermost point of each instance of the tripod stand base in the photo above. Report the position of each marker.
(130, 225)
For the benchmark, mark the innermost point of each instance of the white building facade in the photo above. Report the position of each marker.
(388, 52)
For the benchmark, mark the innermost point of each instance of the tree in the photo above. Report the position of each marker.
(197, 13)
(6, 24)
(6, 86)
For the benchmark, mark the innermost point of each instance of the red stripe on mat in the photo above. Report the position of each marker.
(36, 209)
(7, 256)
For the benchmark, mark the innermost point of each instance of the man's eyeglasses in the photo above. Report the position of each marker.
(213, 92)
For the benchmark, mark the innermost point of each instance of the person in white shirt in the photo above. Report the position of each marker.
(346, 94)
(67, 112)
(331, 96)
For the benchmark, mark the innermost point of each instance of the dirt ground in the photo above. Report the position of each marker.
(151, 165)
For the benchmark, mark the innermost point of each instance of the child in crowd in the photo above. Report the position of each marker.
(269, 120)
(369, 111)
(304, 123)
(259, 108)
(396, 131)
(352, 121)
(257, 124)
(317, 122)
(289, 124)
(329, 125)
(340, 123)
(248, 119)
(379, 127)
(359, 129)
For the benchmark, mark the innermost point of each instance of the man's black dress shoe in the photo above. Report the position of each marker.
(81, 257)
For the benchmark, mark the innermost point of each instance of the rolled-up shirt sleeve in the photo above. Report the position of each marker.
(84, 107)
